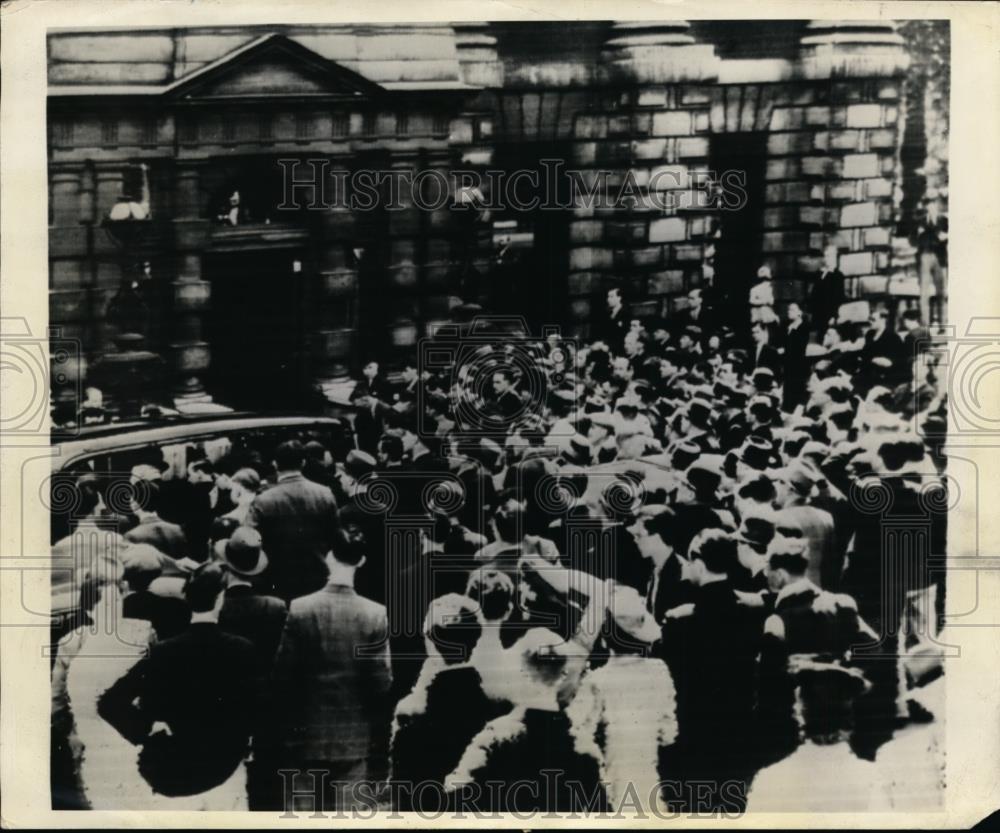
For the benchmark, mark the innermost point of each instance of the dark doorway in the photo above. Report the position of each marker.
(255, 329)
(532, 280)
(738, 158)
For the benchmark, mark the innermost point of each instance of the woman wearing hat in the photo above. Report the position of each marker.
(626, 708)
(825, 693)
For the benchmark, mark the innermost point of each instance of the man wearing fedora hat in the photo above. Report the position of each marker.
(258, 618)
(705, 509)
(246, 611)
(715, 642)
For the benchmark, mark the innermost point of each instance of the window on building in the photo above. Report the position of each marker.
(109, 131)
(340, 125)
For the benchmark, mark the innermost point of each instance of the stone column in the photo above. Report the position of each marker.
(645, 137)
(850, 147)
(191, 355)
(66, 184)
(335, 338)
(402, 274)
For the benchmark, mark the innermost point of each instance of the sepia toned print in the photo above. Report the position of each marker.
(503, 420)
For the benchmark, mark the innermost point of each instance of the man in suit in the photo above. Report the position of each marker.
(714, 649)
(764, 354)
(795, 364)
(827, 293)
(668, 586)
(694, 314)
(189, 704)
(260, 619)
(247, 612)
(331, 681)
(296, 519)
(508, 403)
(372, 395)
(882, 360)
(805, 620)
(612, 327)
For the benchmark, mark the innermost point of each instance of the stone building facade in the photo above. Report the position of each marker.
(810, 110)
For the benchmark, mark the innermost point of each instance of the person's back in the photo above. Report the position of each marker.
(256, 617)
(296, 519)
(532, 744)
(201, 685)
(331, 674)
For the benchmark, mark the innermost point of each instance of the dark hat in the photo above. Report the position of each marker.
(763, 378)
(757, 532)
(699, 411)
(684, 454)
(579, 450)
(758, 454)
(703, 475)
(359, 463)
(243, 553)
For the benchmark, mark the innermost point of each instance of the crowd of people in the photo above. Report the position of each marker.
(645, 572)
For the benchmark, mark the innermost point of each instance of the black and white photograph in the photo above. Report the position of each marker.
(542, 417)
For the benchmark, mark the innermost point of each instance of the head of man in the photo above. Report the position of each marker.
(289, 456)
(877, 321)
(370, 370)
(794, 313)
(503, 381)
(621, 369)
(390, 450)
(713, 555)
(318, 454)
(758, 332)
(614, 299)
(694, 300)
(652, 532)
(244, 485)
(786, 562)
(410, 372)
(203, 590)
(144, 498)
(911, 320)
(509, 521)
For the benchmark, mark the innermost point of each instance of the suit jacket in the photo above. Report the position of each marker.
(169, 616)
(611, 330)
(331, 678)
(256, 617)
(768, 357)
(712, 656)
(666, 589)
(296, 519)
(825, 297)
(201, 684)
(888, 345)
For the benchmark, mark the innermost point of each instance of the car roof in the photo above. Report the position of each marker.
(120, 436)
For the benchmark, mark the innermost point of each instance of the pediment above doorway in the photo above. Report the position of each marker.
(272, 67)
